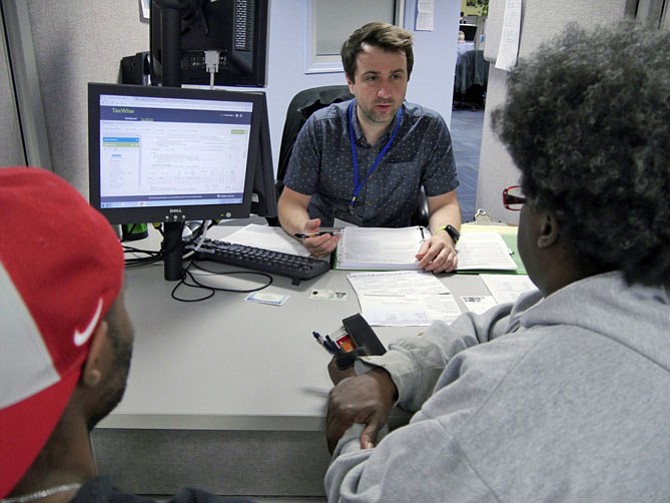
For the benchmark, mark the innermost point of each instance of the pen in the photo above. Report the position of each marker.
(331, 343)
(301, 235)
(323, 230)
(319, 338)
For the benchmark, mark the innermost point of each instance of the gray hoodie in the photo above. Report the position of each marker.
(564, 398)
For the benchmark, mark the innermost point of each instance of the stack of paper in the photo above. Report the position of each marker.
(377, 248)
(374, 248)
(482, 251)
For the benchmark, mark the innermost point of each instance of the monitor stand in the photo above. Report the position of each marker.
(173, 251)
(171, 43)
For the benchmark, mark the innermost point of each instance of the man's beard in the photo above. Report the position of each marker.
(371, 115)
(115, 389)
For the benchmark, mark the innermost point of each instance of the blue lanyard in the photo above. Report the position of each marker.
(358, 186)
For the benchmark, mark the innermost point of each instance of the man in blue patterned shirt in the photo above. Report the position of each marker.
(365, 161)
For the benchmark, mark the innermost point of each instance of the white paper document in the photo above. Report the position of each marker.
(478, 304)
(268, 238)
(379, 248)
(425, 15)
(383, 249)
(508, 50)
(396, 283)
(484, 251)
(507, 288)
(403, 298)
(408, 311)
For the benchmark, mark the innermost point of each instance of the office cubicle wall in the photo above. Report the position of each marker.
(76, 42)
(11, 142)
(540, 20)
(25, 83)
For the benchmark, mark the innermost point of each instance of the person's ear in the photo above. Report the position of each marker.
(92, 372)
(549, 232)
(350, 83)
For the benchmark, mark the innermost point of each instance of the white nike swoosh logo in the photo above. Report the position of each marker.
(80, 338)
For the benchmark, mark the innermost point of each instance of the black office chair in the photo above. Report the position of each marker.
(304, 104)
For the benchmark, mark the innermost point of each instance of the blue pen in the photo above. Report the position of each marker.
(319, 338)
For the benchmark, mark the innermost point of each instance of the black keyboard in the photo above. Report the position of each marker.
(284, 264)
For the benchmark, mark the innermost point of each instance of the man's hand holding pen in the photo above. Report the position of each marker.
(319, 241)
(438, 254)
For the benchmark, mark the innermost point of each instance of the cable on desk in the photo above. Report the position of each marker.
(199, 234)
(152, 257)
(188, 275)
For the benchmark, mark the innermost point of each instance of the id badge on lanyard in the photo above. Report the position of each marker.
(346, 218)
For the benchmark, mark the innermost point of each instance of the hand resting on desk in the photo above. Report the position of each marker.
(438, 254)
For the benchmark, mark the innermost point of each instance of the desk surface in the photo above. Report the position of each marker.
(228, 364)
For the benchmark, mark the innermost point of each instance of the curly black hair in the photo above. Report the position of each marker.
(587, 121)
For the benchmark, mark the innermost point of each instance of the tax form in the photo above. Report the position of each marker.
(403, 298)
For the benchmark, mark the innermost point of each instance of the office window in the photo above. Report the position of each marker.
(332, 22)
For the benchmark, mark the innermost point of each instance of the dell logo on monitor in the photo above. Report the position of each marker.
(174, 210)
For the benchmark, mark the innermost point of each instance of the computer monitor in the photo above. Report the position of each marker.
(263, 191)
(169, 155)
(237, 29)
(469, 30)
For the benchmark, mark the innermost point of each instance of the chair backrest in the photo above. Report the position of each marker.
(304, 104)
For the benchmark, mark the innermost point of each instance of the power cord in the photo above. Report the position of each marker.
(188, 279)
(195, 283)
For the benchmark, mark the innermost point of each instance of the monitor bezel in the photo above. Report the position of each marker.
(170, 213)
(264, 192)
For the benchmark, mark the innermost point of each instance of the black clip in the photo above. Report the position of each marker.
(366, 341)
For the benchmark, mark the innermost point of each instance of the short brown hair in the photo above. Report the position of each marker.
(383, 35)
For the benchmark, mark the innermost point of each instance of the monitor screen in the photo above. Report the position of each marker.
(166, 154)
(469, 30)
(169, 155)
(237, 29)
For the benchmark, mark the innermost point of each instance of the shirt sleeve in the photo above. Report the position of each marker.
(431, 458)
(408, 465)
(439, 171)
(416, 363)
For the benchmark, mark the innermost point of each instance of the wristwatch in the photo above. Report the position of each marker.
(452, 231)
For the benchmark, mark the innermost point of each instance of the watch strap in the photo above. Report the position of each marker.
(452, 231)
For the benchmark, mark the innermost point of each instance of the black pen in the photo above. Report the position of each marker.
(324, 230)
(332, 344)
(301, 235)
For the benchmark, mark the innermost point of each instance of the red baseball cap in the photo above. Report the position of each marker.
(61, 268)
